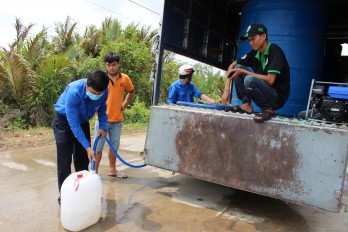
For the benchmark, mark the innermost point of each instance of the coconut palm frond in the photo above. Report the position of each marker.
(64, 38)
(20, 75)
(219, 83)
(106, 23)
(70, 32)
(4, 82)
(115, 30)
(22, 33)
(36, 49)
(92, 41)
(55, 63)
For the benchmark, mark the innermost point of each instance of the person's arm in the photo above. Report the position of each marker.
(128, 99)
(72, 103)
(72, 114)
(275, 62)
(225, 98)
(172, 98)
(269, 78)
(129, 87)
(207, 99)
(102, 116)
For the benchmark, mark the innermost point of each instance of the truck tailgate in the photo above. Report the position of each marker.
(288, 159)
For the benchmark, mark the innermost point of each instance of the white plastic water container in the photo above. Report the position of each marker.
(80, 200)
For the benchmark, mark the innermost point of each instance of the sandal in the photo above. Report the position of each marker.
(264, 116)
(237, 109)
(119, 174)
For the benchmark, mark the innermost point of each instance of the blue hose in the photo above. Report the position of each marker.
(205, 106)
(115, 153)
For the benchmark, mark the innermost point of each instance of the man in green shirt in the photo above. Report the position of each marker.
(269, 83)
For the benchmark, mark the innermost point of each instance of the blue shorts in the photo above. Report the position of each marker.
(113, 132)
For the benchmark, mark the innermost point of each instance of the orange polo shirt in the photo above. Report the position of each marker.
(115, 99)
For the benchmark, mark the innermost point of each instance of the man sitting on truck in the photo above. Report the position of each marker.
(184, 90)
(269, 85)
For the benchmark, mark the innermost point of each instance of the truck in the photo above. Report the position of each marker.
(303, 161)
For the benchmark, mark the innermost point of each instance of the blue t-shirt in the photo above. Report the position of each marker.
(79, 108)
(180, 92)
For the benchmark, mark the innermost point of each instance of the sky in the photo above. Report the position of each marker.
(84, 12)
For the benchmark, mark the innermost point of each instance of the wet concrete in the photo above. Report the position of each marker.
(151, 199)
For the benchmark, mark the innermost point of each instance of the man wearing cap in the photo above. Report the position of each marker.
(184, 90)
(269, 83)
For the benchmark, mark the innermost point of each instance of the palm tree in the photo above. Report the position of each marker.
(22, 34)
(91, 41)
(94, 38)
(146, 34)
(111, 29)
(56, 71)
(65, 35)
(16, 75)
(36, 49)
(141, 34)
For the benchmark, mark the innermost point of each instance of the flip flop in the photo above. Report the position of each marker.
(264, 116)
(237, 109)
(119, 174)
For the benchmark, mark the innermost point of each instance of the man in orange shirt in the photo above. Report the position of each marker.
(116, 103)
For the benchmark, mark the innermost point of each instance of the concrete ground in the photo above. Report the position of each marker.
(151, 199)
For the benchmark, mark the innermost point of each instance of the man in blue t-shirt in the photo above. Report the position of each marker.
(184, 90)
(79, 102)
(269, 83)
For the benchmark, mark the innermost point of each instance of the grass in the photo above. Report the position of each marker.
(134, 128)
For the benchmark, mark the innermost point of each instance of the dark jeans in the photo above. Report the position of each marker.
(67, 147)
(249, 87)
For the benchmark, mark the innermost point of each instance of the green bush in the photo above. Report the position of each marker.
(3, 108)
(138, 113)
(17, 124)
(89, 65)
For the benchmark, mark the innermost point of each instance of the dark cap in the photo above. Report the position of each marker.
(254, 29)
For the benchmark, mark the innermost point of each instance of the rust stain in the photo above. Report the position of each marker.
(238, 153)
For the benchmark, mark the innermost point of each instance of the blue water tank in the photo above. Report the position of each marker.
(299, 28)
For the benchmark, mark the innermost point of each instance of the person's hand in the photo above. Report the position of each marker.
(225, 98)
(213, 102)
(234, 73)
(230, 69)
(102, 133)
(231, 66)
(229, 73)
(90, 154)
